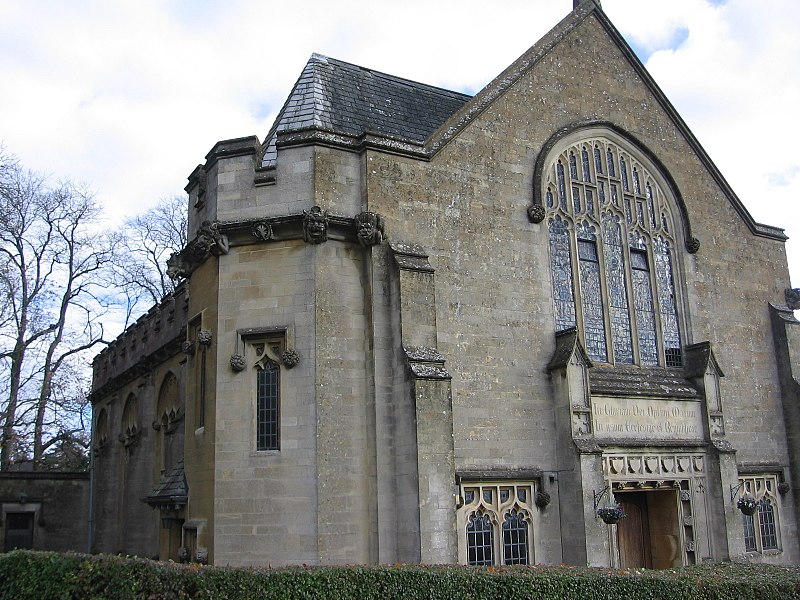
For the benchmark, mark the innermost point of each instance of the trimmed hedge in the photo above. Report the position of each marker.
(26, 575)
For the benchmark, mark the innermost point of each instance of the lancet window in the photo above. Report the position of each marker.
(612, 252)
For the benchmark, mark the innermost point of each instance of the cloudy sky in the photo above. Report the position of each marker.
(129, 95)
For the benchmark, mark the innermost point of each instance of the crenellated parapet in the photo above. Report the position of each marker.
(154, 337)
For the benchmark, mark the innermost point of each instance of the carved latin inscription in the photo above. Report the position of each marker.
(641, 418)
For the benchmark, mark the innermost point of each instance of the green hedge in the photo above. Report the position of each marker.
(28, 575)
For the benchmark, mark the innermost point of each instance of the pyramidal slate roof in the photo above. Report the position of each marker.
(340, 97)
(171, 489)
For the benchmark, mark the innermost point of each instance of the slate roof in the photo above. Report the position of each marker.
(171, 489)
(336, 96)
(640, 381)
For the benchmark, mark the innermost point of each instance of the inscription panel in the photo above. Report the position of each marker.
(646, 418)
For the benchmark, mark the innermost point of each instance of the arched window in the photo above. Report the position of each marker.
(169, 423)
(480, 542)
(268, 397)
(130, 421)
(612, 250)
(492, 508)
(101, 429)
(761, 530)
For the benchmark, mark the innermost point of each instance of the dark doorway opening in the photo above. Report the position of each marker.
(19, 531)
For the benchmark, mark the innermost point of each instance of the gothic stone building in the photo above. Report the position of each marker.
(419, 326)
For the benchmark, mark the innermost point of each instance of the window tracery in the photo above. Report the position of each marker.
(496, 521)
(762, 529)
(612, 252)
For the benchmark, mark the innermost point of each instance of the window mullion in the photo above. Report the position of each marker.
(629, 291)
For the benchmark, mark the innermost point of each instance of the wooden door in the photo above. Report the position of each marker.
(633, 532)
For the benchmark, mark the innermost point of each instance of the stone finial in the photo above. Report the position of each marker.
(577, 3)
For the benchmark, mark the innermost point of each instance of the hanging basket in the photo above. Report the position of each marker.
(747, 504)
(611, 514)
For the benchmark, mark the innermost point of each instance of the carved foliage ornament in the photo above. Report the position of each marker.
(315, 225)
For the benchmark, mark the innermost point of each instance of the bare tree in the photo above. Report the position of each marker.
(146, 242)
(51, 261)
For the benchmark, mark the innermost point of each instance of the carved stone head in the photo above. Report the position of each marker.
(369, 228)
(793, 298)
(315, 225)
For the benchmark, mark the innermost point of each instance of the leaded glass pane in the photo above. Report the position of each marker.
(480, 547)
(589, 201)
(614, 197)
(549, 198)
(643, 307)
(562, 186)
(601, 191)
(592, 301)
(576, 199)
(267, 405)
(587, 174)
(561, 265)
(598, 160)
(618, 296)
(637, 187)
(504, 494)
(766, 519)
(749, 533)
(666, 303)
(610, 159)
(651, 206)
(640, 211)
(573, 166)
(487, 496)
(515, 539)
(623, 166)
(628, 212)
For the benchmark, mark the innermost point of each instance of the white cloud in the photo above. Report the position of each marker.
(130, 95)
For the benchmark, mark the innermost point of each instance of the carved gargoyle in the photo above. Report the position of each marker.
(315, 225)
(209, 240)
(793, 298)
(369, 228)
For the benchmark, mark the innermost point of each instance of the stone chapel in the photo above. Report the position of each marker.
(419, 326)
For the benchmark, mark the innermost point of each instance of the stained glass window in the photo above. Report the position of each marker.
(587, 174)
(618, 293)
(611, 252)
(561, 266)
(591, 295)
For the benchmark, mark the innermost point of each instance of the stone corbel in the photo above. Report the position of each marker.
(426, 363)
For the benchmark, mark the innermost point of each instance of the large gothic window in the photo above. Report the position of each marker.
(612, 251)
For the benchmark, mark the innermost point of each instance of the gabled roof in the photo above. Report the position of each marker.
(338, 103)
(340, 97)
